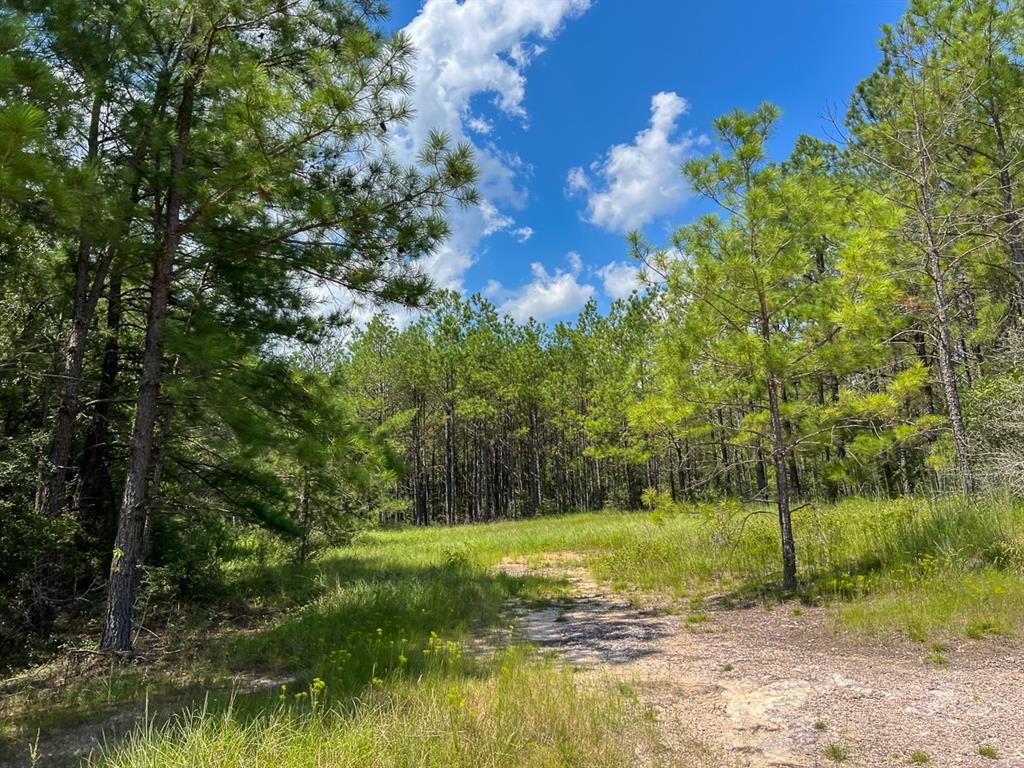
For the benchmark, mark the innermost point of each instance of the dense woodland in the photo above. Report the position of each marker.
(179, 180)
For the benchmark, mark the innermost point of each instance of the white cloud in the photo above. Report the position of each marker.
(494, 220)
(635, 183)
(522, 234)
(478, 124)
(547, 295)
(620, 278)
(577, 181)
(464, 49)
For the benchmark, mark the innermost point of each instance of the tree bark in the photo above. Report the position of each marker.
(947, 371)
(95, 502)
(762, 475)
(778, 455)
(131, 522)
(1014, 235)
(50, 493)
(449, 464)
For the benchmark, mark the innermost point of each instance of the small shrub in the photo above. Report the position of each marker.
(457, 560)
(919, 757)
(990, 752)
(979, 628)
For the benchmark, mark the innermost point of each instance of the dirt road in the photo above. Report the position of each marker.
(757, 687)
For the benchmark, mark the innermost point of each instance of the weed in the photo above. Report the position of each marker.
(837, 753)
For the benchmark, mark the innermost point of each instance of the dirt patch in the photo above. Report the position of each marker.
(760, 687)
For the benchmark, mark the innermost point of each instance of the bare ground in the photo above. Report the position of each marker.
(753, 686)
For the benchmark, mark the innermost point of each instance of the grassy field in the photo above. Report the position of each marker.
(376, 642)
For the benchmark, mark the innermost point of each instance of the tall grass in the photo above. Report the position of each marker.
(840, 547)
(526, 713)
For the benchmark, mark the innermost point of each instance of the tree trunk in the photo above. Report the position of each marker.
(50, 492)
(449, 464)
(727, 488)
(95, 500)
(947, 371)
(128, 542)
(782, 487)
(762, 475)
(304, 516)
(778, 456)
(1014, 235)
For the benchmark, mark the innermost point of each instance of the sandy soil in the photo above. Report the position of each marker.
(756, 687)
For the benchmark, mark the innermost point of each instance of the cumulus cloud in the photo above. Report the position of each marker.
(620, 278)
(637, 182)
(522, 234)
(548, 295)
(577, 181)
(464, 50)
(478, 124)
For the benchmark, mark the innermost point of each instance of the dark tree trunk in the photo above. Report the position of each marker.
(95, 501)
(449, 464)
(131, 522)
(779, 457)
(727, 487)
(762, 475)
(50, 491)
(88, 287)
(782, 488)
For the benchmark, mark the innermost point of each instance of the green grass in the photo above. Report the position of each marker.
(837, 753)
(384, 626)
(990, 752)
(920, 758)
(379, 630)
(923, 569)
(526, 712)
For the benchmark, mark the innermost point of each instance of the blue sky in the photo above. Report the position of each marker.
(582, 111)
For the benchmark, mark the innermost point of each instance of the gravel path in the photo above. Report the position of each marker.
(757, 687)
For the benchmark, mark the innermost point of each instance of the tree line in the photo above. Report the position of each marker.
(844, 323)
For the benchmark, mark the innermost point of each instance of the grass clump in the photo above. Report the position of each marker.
(920, 758)
(837, 753)
(990, 752)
